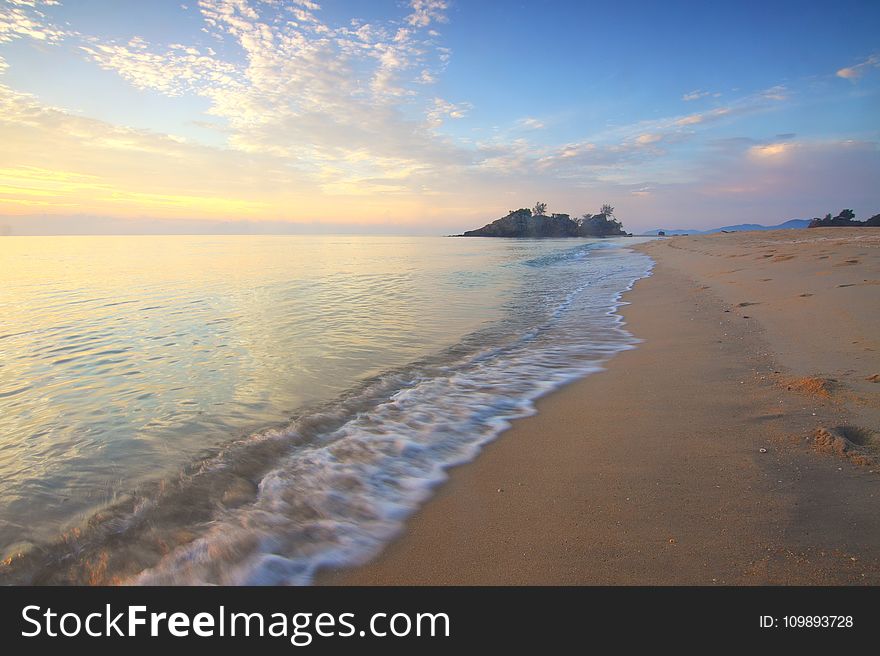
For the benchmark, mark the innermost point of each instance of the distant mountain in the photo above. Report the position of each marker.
(744, 227)
(740, 227)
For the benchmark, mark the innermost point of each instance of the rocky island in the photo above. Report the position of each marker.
(537, 223)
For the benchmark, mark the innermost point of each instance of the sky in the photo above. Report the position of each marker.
(432, 116)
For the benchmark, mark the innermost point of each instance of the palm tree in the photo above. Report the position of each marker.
(540, 209)
(607, 210)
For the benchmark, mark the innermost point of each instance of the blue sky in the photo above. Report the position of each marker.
(436, 115)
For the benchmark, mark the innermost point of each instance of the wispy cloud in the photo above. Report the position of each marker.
(703, 117)
(531, 123)
(778, 92)
(856, 71)
(695, 95)
(307, 91)
(93, 165)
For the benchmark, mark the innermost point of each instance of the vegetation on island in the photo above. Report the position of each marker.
(536, 223)
(846, 219)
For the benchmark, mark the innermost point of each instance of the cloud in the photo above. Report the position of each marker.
(853, 73)
(747, 182)
(771, 151)
(306, 90)
(101, 169)
(694, 119)
(178, 70)
(426, 11)
(23, 18)
(326, 121)
(530, 123)
(645, 139)
(778, 92)
(444, 109)
(123, 171)
(695, 95)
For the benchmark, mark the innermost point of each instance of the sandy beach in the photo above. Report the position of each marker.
(735, 445)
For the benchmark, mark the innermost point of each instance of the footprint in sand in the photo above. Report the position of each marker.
(874, 379)
(805, 295)
(852, 284)
(856, 443)
(846, 263)
(746, 304)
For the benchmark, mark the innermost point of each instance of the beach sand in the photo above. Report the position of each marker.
(652, 472)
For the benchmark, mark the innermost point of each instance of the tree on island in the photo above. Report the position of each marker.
(600, 225)
(540, 209)
(846, 218)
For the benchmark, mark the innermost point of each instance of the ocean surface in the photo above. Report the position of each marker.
(247, 409)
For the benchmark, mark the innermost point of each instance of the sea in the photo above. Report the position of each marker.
(244, 410)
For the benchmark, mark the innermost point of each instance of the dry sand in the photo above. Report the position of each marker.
(652, 472)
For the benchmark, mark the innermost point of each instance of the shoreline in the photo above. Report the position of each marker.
(651, 472)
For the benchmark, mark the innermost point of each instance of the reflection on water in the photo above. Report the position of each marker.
(123, 357)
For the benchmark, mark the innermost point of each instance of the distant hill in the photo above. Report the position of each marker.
(740, 227)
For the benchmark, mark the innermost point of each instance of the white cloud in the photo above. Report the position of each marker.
(695, 95)
(778, 92)
(174, 72)
(444, 109)
(426, 11)
(531, 123)
(23, 18)
(305, 90)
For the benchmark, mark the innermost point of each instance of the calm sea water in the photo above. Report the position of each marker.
(247, 409)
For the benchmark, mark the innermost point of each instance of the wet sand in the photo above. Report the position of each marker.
(738, 444)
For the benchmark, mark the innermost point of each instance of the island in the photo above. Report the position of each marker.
(536, 223)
